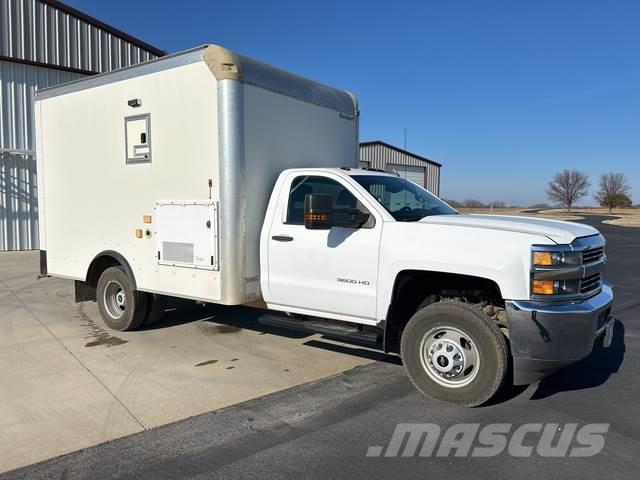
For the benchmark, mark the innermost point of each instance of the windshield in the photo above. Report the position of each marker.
(405, 200)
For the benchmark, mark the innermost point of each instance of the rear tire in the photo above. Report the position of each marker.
(155, 312)
(453, 352)
(121, 307)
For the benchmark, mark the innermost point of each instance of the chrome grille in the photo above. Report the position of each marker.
(590, 284)
(592, 255)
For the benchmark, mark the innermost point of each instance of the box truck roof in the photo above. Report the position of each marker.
(225, 65)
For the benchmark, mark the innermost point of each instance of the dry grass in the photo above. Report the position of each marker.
(626, 217)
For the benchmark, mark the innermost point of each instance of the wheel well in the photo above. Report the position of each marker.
(104, 260)
(414, 289)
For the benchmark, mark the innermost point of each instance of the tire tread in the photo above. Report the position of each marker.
(484, 323)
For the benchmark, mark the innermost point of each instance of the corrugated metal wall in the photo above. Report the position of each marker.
(432, 179)
(380, 156)
(18, 185)
(33, 31)
(38, 32)
(18, 84)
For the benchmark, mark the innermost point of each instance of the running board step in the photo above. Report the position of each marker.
(340, 332)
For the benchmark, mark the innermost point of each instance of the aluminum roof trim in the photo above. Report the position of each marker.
(225, 64)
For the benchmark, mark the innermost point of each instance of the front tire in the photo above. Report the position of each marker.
(453, 352)
(121, 307)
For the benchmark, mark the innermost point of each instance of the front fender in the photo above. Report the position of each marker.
(503, 257)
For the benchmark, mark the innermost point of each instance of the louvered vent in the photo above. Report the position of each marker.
(177, 252)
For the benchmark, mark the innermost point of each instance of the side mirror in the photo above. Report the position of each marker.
(318, 208)
(351, 218)
(320, 214)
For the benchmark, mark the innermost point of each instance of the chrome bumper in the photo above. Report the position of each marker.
(545, 338)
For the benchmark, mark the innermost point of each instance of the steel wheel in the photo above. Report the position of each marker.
(453, 352)
(121, 307)
(115, 299)
(449, 356)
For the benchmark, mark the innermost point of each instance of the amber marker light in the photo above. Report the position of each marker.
(316, 217)
(543, 287)
(543, 258)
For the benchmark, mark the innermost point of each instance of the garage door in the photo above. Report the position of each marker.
(413, 174)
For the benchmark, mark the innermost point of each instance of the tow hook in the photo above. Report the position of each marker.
(608, 332)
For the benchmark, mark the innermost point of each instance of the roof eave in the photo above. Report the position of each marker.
(400, 150)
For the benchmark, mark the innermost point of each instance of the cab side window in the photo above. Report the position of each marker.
(304, 185)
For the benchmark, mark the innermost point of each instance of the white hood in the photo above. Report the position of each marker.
(558, 231)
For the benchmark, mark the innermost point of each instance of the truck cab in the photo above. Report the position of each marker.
(456, 295)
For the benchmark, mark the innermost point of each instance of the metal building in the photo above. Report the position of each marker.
(43, 43)
(418, 169)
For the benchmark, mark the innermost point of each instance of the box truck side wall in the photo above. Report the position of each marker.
(96, 197)
(281, 132)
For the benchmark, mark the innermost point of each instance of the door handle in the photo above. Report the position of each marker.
(282, 238)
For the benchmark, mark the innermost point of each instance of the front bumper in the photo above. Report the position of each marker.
(545, 338)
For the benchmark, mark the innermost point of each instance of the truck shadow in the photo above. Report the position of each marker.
(589, 372)
(220, 319)
(225, 319)
(179, 312)
(355, 350)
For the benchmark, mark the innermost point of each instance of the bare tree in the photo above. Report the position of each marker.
(567, 187)
(541, 206)
(613, 190)
(452, 202)
(624, 201)
(473, 203)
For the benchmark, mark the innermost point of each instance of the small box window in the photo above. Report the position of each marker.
(137, 130)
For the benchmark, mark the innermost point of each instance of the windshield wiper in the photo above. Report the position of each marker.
(414, 218)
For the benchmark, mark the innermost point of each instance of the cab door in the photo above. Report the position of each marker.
(323, 271)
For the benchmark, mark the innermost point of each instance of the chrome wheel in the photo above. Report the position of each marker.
(449, 356)
(115, 299)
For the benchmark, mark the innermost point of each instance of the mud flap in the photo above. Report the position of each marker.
(84, 292)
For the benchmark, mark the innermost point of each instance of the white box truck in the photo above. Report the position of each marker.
(211, 176)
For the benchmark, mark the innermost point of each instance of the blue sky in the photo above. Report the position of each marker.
(502, 93)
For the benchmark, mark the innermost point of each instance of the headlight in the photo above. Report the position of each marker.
(556, 259)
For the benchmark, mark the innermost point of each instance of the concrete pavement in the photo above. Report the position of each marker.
(67, 382)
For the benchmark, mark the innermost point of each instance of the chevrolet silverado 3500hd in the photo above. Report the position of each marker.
(211, 176)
